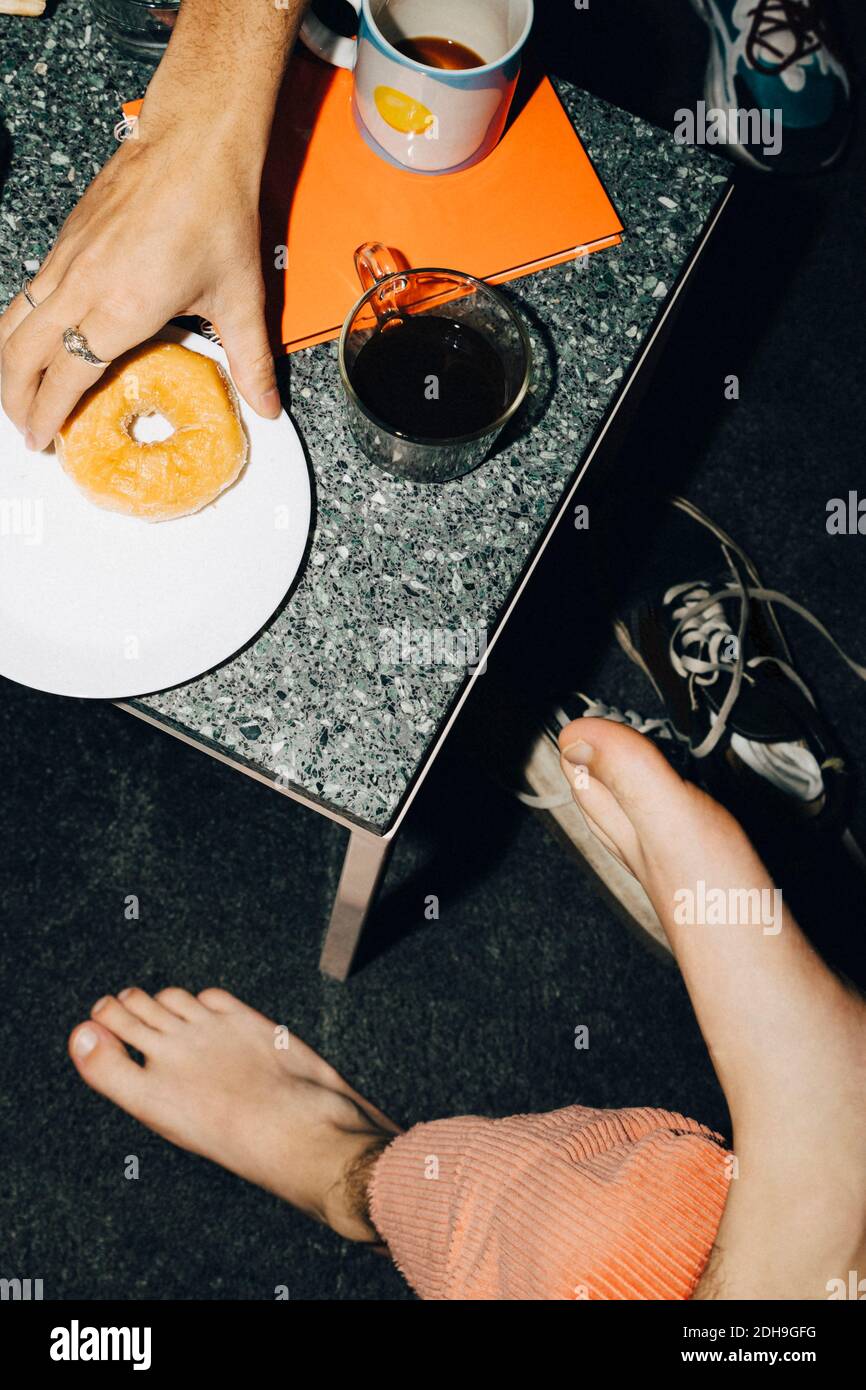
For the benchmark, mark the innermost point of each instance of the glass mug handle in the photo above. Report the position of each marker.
(330, 47)
(374, 263)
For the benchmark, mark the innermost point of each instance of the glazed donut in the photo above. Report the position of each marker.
(171, 477)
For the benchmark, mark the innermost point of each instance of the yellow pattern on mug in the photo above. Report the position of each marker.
(402, 112)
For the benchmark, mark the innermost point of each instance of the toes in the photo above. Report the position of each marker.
(608, 823)
(149, 1010)
(632, 768)
(219, 1001)
(300, 1059)
(181, 1003)
(114, 1016)
(625, 787)
(104, 1063)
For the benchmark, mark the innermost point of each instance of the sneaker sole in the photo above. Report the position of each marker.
(618, 888)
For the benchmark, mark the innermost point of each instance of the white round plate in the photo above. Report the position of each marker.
(106, 606)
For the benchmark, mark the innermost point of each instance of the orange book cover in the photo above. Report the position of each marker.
(535, 201)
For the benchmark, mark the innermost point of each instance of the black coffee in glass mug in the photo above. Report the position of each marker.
(434, 364)
(431, 377)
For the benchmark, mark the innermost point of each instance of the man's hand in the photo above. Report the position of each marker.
(163, 230)
(170, 226)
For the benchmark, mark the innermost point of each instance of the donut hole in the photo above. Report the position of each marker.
(150, 427)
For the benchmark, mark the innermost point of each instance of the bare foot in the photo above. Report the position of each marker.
(635, 803)
(223, 1081)
(787, 1038)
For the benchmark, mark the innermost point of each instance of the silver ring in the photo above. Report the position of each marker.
(77, 346)
(25, 290)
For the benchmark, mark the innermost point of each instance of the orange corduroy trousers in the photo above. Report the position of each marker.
(576, 1204)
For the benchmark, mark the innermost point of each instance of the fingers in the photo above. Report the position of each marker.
(41, 286)
(67, 377)
(251, 361)
(14, 396)
(64, 382)
(33, 345)
(41, 382)
(13, 317)
(28, 340)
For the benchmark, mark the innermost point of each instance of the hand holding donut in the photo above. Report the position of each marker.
(161, 231)
(170, 226)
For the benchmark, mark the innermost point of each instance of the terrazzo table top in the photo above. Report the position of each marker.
(340, 700)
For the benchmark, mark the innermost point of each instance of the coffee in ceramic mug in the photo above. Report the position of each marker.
(433, 79)
(448, 54)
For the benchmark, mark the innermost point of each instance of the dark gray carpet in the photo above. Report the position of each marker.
(477, 1011)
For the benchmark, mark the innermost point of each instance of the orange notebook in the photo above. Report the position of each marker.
(534, 202)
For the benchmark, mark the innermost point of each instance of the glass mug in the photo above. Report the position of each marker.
(433, 79)
(141, 28)
(434, 364)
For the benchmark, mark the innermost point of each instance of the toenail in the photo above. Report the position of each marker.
(123, 993)
(579, 753)
(100, 1003)
(85, 1042)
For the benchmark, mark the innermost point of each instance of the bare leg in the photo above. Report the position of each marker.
(787, 1039)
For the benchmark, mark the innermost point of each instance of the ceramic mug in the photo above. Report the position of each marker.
(431, 119)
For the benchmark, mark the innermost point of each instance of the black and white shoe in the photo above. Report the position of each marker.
(707, 636)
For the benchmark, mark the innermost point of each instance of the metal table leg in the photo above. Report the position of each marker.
(363, 867)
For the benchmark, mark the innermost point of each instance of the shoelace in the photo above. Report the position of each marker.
(597, 709)
(799, 19)
(701, 628)
(702, 625)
